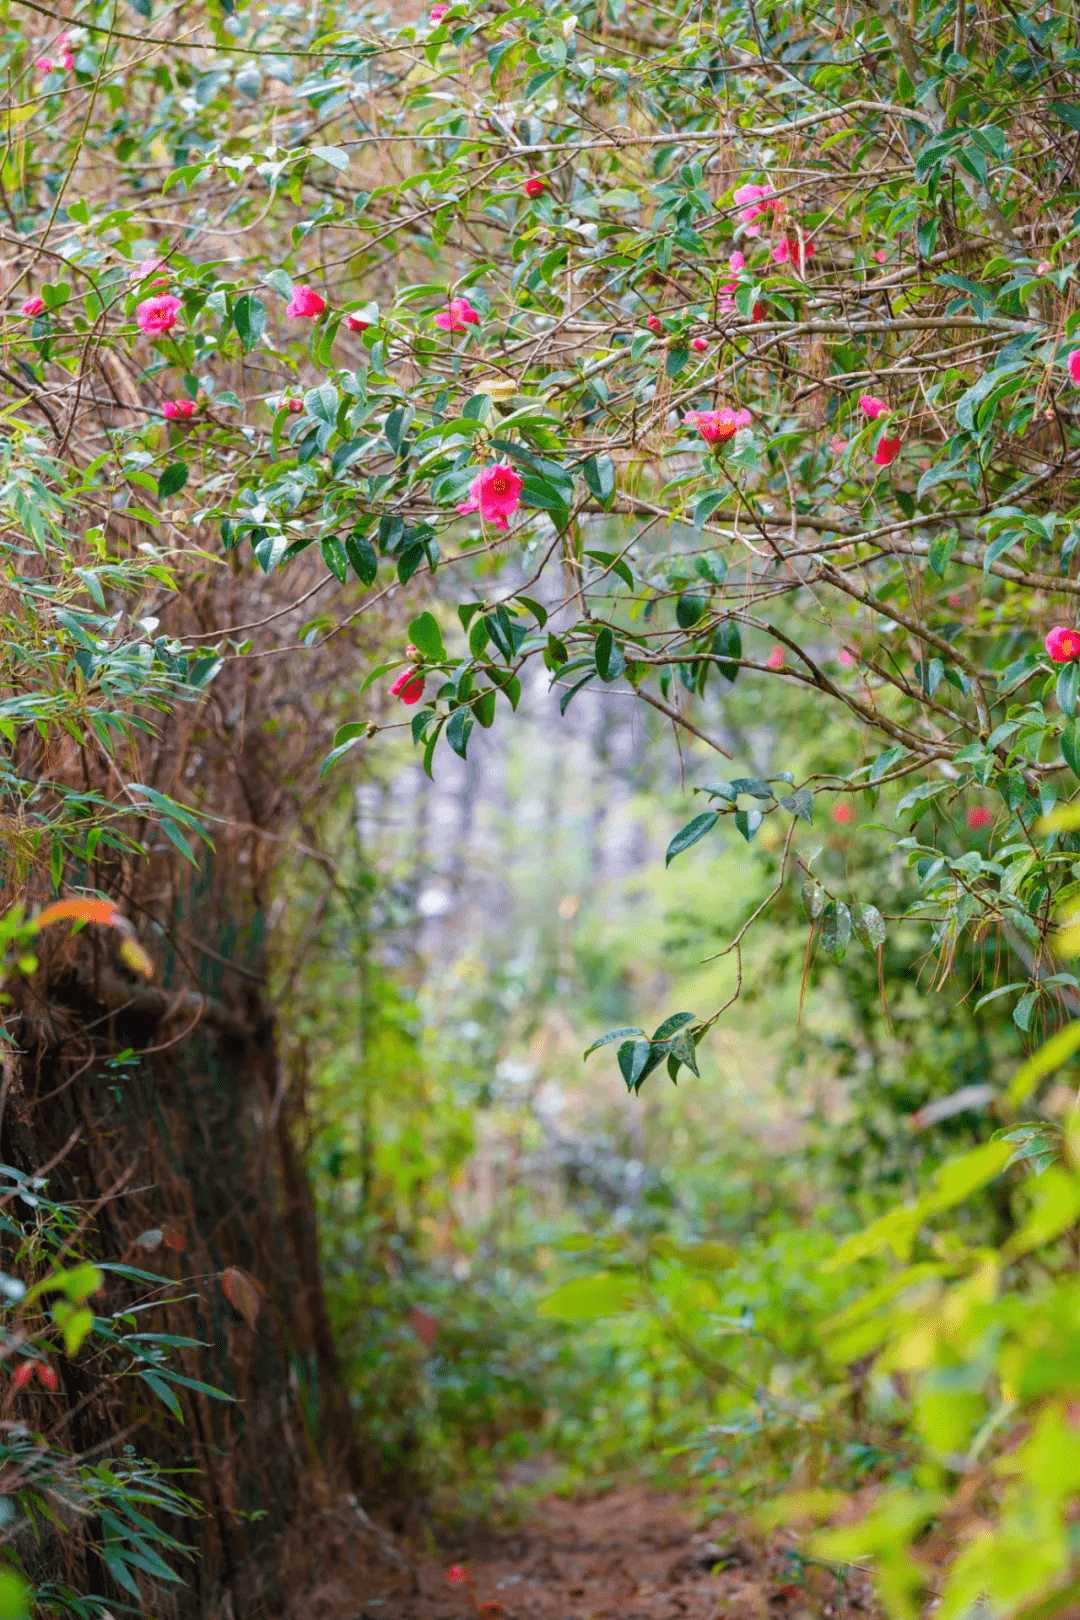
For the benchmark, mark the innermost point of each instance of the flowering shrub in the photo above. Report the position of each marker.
(535, 358)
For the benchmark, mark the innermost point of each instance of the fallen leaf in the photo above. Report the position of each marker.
(242, 1293)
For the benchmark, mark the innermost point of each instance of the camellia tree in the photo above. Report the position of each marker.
(662, 347)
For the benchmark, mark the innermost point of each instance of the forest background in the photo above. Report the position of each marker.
(525, 526)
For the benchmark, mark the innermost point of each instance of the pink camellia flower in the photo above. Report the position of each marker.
(716, 427)
(305, 303)
(726, 300)
(787, 251)
(460, 315)
(1063, 645)
(978, 817)
(494, 493)
(409, 686)
(174, 409)
(886, 452)
(737, 262)
(293, 406)
(756, 200)
(22, 1374)
(157, 314)
(438, 13)
(44, 64)
(47, 1375)
(1043, 268)
(535, 186)
(775, 659)
(837, 445)
(842, 813)
(880, 256)
(700, 344)
(845, 659)
(1074, 366)
(148, 268)
(655, 324)
(872, 407)
(34, 306)
(455, 1575)
(355, 324)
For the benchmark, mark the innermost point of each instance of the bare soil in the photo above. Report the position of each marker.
(631, 1554)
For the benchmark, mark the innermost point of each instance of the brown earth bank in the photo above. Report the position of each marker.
(631, 1554)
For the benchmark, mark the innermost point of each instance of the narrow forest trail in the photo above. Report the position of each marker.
(631, 1554)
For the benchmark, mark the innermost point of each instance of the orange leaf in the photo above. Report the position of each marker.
(424, 1325)
(242, 1293)
(85, 911)
(174, 1239)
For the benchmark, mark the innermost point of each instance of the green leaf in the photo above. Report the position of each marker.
(610, 662)
(884, 763)
(458, 729)
(426, 637)
(172, 479)
(688, 609)
(249, 318)
(869, 927)
(813, 900)
(600, 476)
(727, 645)
(941, 550)
(1068, 685)
(612, 1035)
(15, 1596)
(361, 555)
(836, 930)
(587, 1298)
(1067, 113)
(692, 833)
(333, 155)
(1070, 747)
(747, 822)
(800, 803)
(280, 282)
(333, 555)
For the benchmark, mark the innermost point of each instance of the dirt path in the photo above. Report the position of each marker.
(630, 1555)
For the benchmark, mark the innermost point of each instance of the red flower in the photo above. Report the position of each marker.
(22, 1374)
(1074, 366)
(716, 427)
(305, 302)
(34, 306)
(775, 659)
(978, 817)
(495, 494)
(455, 1575)
(47, 1375)
(292, 405)
(871, 406)
(887, 451)
(700, 344)
(409, 686)
(1063, 645)
(158, 314)
(460, 315)
(842, 813)
(176, 408)
(535, 186)
(655, 324)
(355, 324)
